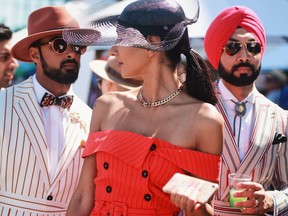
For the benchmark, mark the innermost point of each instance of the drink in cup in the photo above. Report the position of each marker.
(234, 179)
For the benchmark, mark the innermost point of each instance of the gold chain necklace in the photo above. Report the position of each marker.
(160, 102)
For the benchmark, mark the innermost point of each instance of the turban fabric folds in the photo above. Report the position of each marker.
(223, 27)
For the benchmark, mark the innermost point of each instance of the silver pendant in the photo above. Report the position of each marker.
(240, 109)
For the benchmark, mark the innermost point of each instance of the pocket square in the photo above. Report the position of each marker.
(279, 138)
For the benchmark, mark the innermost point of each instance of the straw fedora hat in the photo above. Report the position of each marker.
(43, 22)
(108, 70)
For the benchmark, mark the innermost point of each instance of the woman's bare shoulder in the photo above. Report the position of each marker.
(209, 112)
(107, 105)
(210, 127)
(112, 98)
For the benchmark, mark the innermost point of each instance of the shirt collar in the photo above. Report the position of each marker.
(227, 95)
(40, 90)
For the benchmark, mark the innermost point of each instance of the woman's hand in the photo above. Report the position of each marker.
(186, 199)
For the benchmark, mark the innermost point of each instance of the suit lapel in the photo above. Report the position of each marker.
(76, 134)
(27, 108)
(230, 154)
(262, 135)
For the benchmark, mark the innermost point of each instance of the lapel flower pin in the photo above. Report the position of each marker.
(75, 118)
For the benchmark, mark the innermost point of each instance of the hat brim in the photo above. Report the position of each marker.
(98, 67)
(110, 29)
(20, 50)
(131, 27)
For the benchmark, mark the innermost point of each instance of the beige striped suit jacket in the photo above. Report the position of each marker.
(266, 159)
(25, 185)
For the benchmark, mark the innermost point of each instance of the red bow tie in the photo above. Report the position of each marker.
(49, 100)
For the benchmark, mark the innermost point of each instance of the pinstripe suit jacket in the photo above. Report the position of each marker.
(266, 159)
(25, 185)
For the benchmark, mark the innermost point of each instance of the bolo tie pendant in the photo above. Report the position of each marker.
(240, 109)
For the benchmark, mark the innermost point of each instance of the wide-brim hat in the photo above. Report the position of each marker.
(43, 22)
(108, 70)
(139, 19)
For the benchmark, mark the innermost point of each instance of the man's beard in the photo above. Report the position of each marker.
(67, 77)
(243, 80)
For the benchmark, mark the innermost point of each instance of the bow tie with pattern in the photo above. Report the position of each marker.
(49, 100)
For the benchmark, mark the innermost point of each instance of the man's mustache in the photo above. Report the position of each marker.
(69, 61)
(243, 64)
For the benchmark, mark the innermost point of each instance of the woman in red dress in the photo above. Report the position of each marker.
(140, 138)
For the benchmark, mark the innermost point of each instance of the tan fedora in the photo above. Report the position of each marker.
(108, 70)
(43, 22)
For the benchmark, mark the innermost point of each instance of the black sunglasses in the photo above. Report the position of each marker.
(59, 46)
(233, 47)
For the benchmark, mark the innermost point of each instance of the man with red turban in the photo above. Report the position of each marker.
(255, 128)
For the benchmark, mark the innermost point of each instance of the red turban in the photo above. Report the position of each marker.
(223, 27)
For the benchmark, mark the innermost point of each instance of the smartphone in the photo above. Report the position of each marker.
(202, 189)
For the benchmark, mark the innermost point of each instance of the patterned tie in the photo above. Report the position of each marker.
(49, 100)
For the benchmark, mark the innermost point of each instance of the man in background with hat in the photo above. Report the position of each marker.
(109, 77)
(43, 124)
(8, 64)
(255, 128)
(270, 81)
(276, 83)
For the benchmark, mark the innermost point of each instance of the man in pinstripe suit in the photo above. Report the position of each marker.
(43, 124)
(255, 128)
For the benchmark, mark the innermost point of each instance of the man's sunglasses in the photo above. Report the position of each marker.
(59, 46)
(233, 47)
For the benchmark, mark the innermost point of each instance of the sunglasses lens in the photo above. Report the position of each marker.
(59, 45)
(79, 49)
(231, 48)
(254, 48)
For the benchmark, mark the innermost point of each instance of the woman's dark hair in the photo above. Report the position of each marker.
(199, 82)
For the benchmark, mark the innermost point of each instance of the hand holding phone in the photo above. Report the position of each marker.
(191, 187)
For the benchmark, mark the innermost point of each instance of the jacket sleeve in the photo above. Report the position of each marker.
(280, 179)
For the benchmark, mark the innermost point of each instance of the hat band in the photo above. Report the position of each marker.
(111, 71)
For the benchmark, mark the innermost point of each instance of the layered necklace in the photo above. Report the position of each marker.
(160, 102)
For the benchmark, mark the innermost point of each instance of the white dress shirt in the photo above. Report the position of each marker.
(55, 121)
(247, 120)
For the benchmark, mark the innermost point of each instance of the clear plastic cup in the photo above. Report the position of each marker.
(234, 179)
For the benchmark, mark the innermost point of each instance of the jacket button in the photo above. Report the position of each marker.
(106, 165)
(153, 147)
(145, 173)
(108, 189)
(147, 197)
(50, 197)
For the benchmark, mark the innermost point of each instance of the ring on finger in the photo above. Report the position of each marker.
(256, 203)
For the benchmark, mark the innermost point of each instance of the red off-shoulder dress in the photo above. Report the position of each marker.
(132, 169)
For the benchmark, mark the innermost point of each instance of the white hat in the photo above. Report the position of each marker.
(108, 70)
